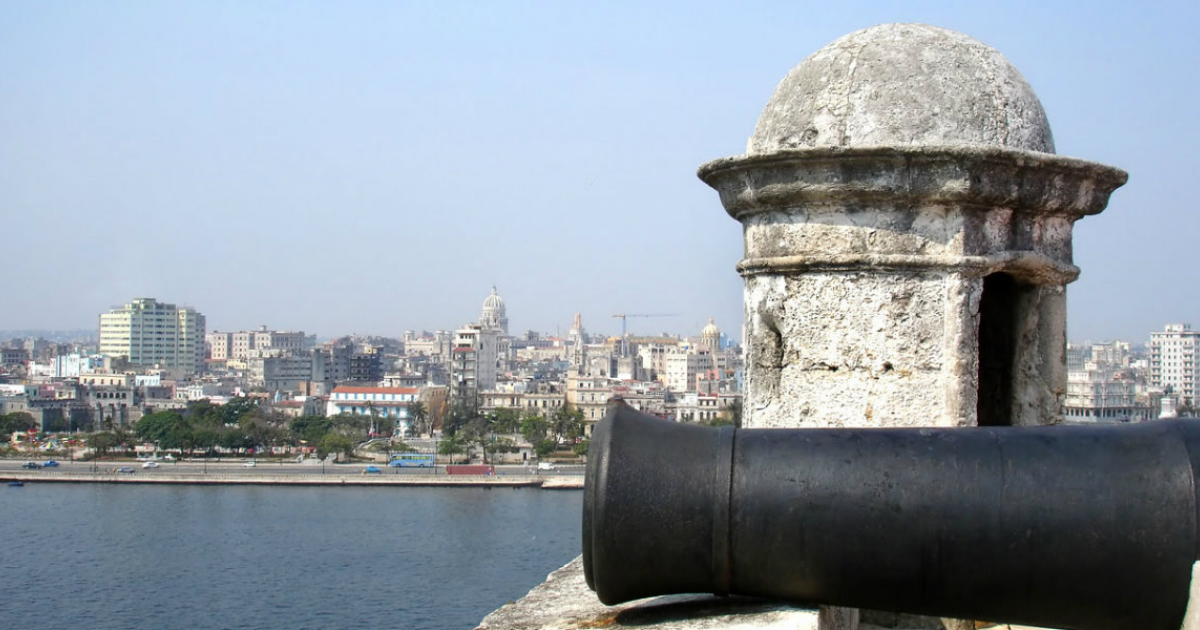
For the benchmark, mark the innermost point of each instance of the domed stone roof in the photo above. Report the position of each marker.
(493, 303)
(903, 85)
(710, 330)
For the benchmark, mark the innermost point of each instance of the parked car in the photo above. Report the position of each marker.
(372, 470)
(169, 457)
(50, 463)
(31, 465)
(250, 464)
(126, 470)
(150, 465)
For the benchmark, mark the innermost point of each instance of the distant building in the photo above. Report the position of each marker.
(247, 344)
(153, 334)
(390, 403)
(710, 337)
(472, 362)
(494, 314)
(1174, 363)
(681, 369)
(1103, 394)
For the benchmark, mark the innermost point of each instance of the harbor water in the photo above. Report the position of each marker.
(228, 557)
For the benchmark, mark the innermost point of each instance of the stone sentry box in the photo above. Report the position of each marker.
(907, 232)
(907, 238)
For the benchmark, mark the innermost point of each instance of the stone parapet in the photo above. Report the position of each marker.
(564, 602)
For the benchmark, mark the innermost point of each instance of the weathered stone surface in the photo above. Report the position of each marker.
(903, 85)
(907, 232)
(564, 602)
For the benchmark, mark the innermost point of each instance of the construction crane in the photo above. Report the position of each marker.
(625, 316)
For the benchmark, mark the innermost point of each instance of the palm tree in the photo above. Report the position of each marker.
(418, 413)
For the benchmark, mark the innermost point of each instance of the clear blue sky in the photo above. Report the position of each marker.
(371, 167)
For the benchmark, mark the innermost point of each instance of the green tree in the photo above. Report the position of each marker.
(235, 439)
(352, 426)
(535, 428)
(206, 438)
(102, 442)
(310, 428)
(257, 430)
(419, 416)
(453, 445)
(202, 413)
(233, 410)
(581, 449)
(163, 427)
(567, 423)
(460, 414)
(507, 421)
(335, 443)
(16, 421)
(544, 447)
(479, 430)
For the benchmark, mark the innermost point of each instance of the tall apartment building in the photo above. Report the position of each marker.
(472, 362)
(153, 334)
(1174, 362)
(681, 369)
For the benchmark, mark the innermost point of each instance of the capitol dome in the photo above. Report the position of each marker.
(494, 315)
(903, 85)
(710, 337)
(493, 303)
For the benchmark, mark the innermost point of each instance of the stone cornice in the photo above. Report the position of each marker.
(964, 176)
(1030, 267)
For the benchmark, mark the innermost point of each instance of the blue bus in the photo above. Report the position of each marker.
(414, 460)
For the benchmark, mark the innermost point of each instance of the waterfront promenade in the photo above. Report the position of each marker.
(238, 473)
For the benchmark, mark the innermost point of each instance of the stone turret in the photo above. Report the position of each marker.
(907, 232)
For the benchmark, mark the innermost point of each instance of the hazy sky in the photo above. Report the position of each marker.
(371, 167)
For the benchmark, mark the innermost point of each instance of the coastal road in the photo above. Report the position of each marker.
(239, 467)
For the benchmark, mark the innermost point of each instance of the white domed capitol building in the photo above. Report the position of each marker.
(493, 315)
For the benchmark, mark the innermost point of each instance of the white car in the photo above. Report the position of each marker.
(547, 466)
(150, 465)
(169, 457)
(250, 464)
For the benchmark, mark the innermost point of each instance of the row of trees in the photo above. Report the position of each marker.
(465, 426)
(240, 425)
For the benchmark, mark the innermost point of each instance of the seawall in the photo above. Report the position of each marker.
(545, 482)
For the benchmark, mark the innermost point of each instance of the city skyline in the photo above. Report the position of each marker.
(378, 168)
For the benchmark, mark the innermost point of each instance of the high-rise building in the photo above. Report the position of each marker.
(1174, 362)
(472, 362)
(153, 334)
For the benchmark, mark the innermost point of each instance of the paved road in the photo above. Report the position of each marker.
(239, 467)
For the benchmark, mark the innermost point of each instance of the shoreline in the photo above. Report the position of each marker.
(559, 482)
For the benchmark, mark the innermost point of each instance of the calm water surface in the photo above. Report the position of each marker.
(211, 557)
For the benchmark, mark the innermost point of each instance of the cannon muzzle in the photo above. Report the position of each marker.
(1088, 527)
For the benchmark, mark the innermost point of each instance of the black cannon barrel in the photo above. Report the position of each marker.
(1067, 526)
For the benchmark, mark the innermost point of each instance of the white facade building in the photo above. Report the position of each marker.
(153, 334)
(1174, 362)
(382, 402)
(1102, 394)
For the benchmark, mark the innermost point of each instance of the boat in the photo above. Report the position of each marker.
(15, 484)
